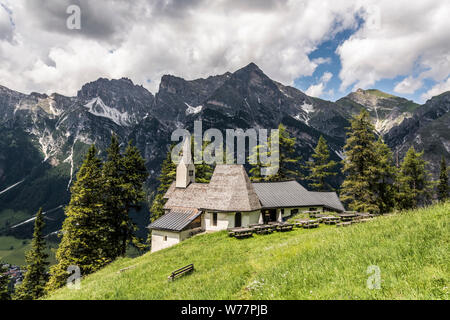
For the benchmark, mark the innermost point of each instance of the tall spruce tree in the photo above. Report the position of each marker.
(4, 284)
(286, 155)
(85, 231)
(321, 167)
(134, 176)
(113, 173)
(360, 165)
(443, 188)
(124, 177)
(384, 177)
(414, 186)
(35, 279)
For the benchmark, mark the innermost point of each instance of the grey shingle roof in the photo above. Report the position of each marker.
(230, 189)
(330, 199)
(176, 219)
(292, 194)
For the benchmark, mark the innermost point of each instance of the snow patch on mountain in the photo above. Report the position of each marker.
(98, 108)
(192, 110)
(308, 108)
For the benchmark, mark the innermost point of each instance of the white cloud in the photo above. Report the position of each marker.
(409, 36)
(317, 89)
(437, 89)
(147, 39)
(408, 85)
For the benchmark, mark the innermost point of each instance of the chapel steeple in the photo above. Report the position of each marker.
(186, 168)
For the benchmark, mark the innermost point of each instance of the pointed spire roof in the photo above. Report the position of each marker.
(230, 189)
(186, 158)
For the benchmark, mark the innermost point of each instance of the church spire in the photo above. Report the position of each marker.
(186, 168)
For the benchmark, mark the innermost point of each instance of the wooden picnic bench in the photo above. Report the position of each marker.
(343, 224)
(263, 229)
(241, 233)
(285, 227)
(346, 217)
(309, 224)
(178, 273)
(330, 220)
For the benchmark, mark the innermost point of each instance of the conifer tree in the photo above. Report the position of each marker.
(384, 177)
(85, 230)
(113, 173)
(286, 156)
(413, 181)
(443, 188)
(4, 284)
(360, 165)
(35, 278)
(166, 178)
(321, 167)
(134, 176)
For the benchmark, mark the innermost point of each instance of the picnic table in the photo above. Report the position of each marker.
(285, 227)
(240, 233)
(346, 217)
(262, 228)
(331, 220)
(343, 224)
(308, 224)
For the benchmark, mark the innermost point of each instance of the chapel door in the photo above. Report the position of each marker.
(238, 219)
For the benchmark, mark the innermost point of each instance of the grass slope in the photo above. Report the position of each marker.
(410, 248)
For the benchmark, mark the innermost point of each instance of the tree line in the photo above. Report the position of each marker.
(97, 228)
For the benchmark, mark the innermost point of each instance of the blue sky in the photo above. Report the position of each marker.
(332, 91)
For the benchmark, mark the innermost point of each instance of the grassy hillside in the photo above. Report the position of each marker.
(410, 248)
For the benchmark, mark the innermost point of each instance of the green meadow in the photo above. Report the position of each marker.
(411, 250)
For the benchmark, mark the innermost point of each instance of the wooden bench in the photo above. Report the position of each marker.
(311, 224)
(330, 220)
(343, 224)
(285, 227)
(240, 233)
(262, 229)
(178, 273)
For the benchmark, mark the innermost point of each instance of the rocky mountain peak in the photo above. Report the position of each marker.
(120, 94)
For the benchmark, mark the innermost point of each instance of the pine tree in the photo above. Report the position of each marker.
(4, 284)
(413, 181)
(360, 165)
(321, 167)
(443, 188)
(384, 177)
(286, 156)
(113, 174)
(85, 230)
(134, 176)
(35, 278)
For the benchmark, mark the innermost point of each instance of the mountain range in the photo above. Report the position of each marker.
(43, 138)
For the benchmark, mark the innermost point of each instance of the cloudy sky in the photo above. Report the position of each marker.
(325, 48)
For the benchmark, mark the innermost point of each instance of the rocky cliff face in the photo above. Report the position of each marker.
(44, 138)
(385, 110)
